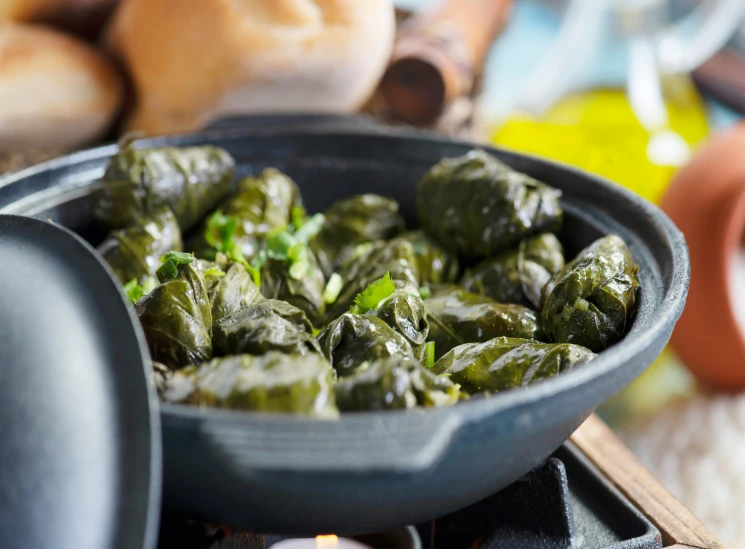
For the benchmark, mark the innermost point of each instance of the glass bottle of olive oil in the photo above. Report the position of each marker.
(598, 130)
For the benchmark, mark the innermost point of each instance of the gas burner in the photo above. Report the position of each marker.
(565, 503)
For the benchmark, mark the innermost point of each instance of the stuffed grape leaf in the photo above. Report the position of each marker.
(395, 257)
(269, 325)
(272, 382)
(259, 205)
(134, 252)
(507, 363)
(353, 339)
(394, 383)
(177, 319)
(404, 311)
(591, 301)
(190, 180)
(518, 275)
(478, 206)
(229, 286)
(434, 264)
(352, 221)
(456, 317)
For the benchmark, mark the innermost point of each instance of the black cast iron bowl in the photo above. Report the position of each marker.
(373, 471)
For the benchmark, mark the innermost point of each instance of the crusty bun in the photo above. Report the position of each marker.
(193, 61)
(55, 92)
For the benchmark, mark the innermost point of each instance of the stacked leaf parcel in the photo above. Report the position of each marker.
(276, 310)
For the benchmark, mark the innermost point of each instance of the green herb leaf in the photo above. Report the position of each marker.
(237, 256)
(429, 354)
(133, 290)
(333, 288)
(220, 230)
(299, 262)
(375, 292)
(425, 292)
(171, 262)
(310, 228)
(278, 244)
(299, 216)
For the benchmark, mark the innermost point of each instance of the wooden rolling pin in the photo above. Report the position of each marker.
(437, 56)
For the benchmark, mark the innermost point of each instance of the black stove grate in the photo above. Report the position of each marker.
(564, 504)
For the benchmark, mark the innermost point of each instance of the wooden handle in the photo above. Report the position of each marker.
(437, 56)
(678, 526)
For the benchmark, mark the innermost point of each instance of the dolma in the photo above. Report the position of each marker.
(259, 205)
(353, 339)
(133, 252)
(518, 275)
(268, 325)
(229, 286)
(404, 311)
(506, 363)
(456, 317)
(434, 264)
(190, 180)
(177, 319)
(352, 221)
(305, 293)
(395, 257)
(478, 206)
(591, 300)
(272, 382)
(394, 383)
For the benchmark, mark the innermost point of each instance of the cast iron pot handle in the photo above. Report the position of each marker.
(398, 442)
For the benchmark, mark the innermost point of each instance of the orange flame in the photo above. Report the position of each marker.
(327, 542)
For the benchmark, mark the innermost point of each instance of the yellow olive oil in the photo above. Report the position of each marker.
(598, 131)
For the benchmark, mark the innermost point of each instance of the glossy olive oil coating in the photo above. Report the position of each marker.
(273, 382)
(355, 220)
(591, 301)
(269, 325)
(479, 206)
(507, 363)
(259, 205)
(352, 339)
(518, 275)
(395, 257)
(230, 288)
(305, 292)
(394, 383)
(404, 311)
(189, 180)
(434, 263)
(456, 317)
(134, 251)
(177, 319)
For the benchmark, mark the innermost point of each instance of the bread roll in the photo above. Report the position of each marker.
(193, 61)
(55, 92)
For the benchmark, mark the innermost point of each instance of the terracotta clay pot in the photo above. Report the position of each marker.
(706, 200)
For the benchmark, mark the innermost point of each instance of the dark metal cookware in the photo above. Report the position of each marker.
(372, 471)
(80, 443)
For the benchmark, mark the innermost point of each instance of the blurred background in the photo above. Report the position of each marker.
(648, 93)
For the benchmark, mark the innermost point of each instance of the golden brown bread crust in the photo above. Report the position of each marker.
(55, 91)
(194, 61)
